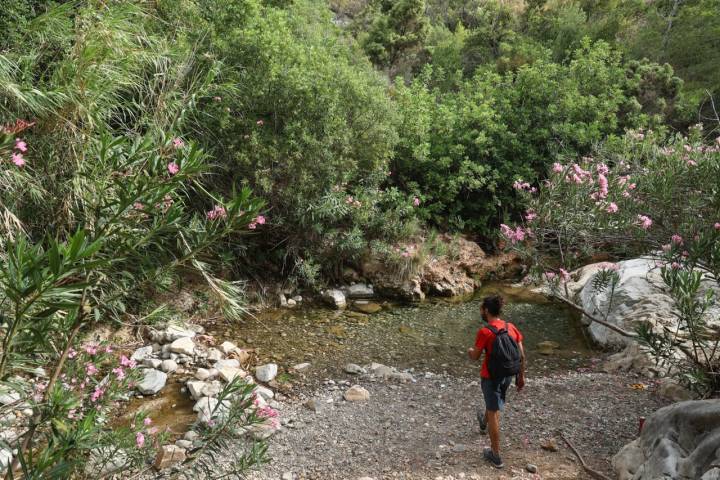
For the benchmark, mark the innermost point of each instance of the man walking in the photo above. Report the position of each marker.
(504, 359)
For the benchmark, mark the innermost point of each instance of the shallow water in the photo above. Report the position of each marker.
(431, 336)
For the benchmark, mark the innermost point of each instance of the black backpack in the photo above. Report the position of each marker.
(504, 359)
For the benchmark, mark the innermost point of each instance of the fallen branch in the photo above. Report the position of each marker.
(593, 473)
(612, 327)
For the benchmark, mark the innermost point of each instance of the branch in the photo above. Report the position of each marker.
(593, 473)
(612, 327)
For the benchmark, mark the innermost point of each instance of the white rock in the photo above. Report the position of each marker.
(182, 443)
(8, 396)
(639, 298)
(230, 373)
(152, 382)
(191, 435)
(173, 332)
(202, 374)
(195, 387)
(206, 409)
(168, 366)
(183, 345)
(354, 369)
(214, 355)
(228, 347)
(291, 303)
(231, 363)
(212, 389)
(142, 353)
(356, 393)
(297, 298)
(6, 457)
(678, 441)
(360, 290)
(335, 298)
(169, 455)
(301, 366)
(266, 373)
(264, 392)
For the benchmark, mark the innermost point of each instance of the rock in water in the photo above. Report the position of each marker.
(266, 373)
(360, 290)
(335, 298)
(169, 455)
(677, 441)
(367, 307)
(184, 345)
(356, 393)
(152, 382)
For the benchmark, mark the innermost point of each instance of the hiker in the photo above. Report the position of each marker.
(504, 359)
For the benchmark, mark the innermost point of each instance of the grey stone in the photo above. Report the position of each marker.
(191, 435)
(231, 362)
(195, 387)
(173, 332)
(142, 353)
(230, 373)
(228, 347)
(264, 392)
(677, 441)
(202, 374)
(168, 366)
(266, 373)
(186, 444)
(152, 382)
(8, 396)
(335, 298)
(301, 367)
(6, 457)
(360, 290)
(531, 468)
(356, 393)
(152, 362)
(214, 355)
(183, 345)
(169, 455)
(354, 369)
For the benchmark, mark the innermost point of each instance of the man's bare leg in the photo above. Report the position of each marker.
(493, 422)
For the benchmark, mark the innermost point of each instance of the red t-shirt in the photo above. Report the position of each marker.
(484, 341)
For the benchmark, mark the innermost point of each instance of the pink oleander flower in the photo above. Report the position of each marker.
(603, 184)
(178, 142)
(416, 201)
(97, 394)
(406, 254)
(602, 169)
(550, 276)
(152, 430)
(260, 123)
(217, 212)
(612, 208)
(677, 239)
(577, 179)
(260, 220)
(138, 206)
(530, 215)
(139, 439)
(632, 186)
(349, 200)
(20, 145)
(267, 412)
(609, 266)
(666, 248)
(564, 275)
(687, 148)
(557, 167)
(18, 159)
(645, 221)
(72, 353)
(675, 266)
(119, 373)
(90, 349)
(126, 362)
(147, 421)
(692, 163)
(717, 226)
(173, 168)
(626, 194)
(91, 369)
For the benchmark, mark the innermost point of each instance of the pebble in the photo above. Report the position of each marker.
(152, 362)
(184, 444)
(287, 476)
(531, 468)
(168, 366)
(354, 369)
(202, 374)
(301, 366)
(356, 393)
(191, 435)
(227, 347)
(142, 353)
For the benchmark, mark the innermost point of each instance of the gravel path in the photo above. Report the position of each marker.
(428, 430)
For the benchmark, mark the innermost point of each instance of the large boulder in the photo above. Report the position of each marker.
(640, 297)
(153, 381)
(359, 290)
(681, 441)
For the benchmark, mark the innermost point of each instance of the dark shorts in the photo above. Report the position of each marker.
(494, 392)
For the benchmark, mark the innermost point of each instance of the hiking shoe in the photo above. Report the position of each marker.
(481, 420)
(493, 458)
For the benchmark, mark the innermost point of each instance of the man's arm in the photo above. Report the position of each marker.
(474, 353)
(520, 379)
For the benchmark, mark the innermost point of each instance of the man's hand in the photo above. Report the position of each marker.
(473, 353)
(520, 381)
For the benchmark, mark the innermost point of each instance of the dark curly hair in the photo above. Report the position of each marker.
(493, 304)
